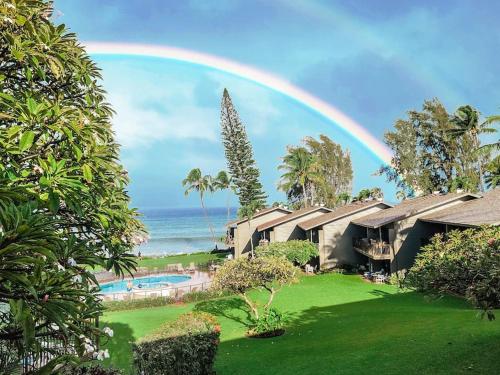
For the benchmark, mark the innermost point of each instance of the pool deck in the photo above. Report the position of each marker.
(198, 281)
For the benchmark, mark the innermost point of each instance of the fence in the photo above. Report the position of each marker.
(175, 292)
(14, 360)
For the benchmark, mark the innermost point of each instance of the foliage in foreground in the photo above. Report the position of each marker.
(267, 273)
(465, 262)
(298, 252)
(186, 346)
(63, 200)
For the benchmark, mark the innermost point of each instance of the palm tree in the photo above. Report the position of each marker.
(195, 181)
(343, 199)
(300, 167)
(466, 122)
(224, 181)
(492, 177)
(495, 146)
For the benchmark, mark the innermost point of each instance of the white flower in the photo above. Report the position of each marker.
(60, 268)
(71, 262)
(108, 331)
(54, 326)
(37, 169)
(89, 348)
(101, 355)
(77, 279)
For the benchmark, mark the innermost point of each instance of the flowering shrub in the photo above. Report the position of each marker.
(462, 262)
(185, 346)
(296, 251)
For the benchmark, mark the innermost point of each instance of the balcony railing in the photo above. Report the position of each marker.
(374, 249)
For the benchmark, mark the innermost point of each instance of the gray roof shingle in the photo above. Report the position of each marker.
(482, 211)
(339, 213)
(409, 207)
(291, 216)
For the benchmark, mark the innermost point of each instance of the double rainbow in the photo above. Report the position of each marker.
(253, 74)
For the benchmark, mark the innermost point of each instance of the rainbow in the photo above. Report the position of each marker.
(253, 74)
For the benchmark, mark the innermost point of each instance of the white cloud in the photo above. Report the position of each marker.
(137, 125)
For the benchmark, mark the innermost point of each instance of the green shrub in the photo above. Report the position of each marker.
(186, 346)
(163, 301)
(271, 321)
(93, 369)
(296, 251)
(464, 262)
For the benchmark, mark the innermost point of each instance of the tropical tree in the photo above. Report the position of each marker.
(223, 181)
(373, 193)
(300, 171)
(427, 155)
(239, 156)
(65, 206)
(334, 168)
(492, 177)
(343, 199)
(466, 121)
(267, 273)
(196, 181)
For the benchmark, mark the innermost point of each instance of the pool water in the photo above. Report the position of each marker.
(143, 283)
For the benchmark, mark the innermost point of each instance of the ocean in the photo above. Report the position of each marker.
(182, 230)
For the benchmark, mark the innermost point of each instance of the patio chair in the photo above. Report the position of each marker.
(191, 267)
(179, 268)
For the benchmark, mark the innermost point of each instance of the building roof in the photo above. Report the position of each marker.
(339, 213)
(257, 214)
(483, 211)
(408, 208)
(292, 216)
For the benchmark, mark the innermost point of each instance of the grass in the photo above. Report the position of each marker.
(185, 259)
(160, 262)
(340, 325)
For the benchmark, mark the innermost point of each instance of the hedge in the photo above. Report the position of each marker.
(162, 301)
(186, 346)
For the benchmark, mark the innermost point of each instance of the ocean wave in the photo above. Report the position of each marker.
(182, 239)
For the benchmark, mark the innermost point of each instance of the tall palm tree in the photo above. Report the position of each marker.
(224, 181)
(466, 122)
(195, 181)
(301, 170)
(495, 146)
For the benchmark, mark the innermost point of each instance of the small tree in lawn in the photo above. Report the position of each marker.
(241, 275)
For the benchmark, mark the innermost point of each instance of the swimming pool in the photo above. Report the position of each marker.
(143, 283)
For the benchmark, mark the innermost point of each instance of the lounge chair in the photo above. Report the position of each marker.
(179, 268)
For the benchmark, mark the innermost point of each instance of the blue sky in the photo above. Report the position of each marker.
(374, 60)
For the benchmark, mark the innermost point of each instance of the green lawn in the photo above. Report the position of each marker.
(340, 325)
(185, 259)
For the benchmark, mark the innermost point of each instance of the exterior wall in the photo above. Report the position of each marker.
(290, 230)
(410, 234)
(335, 243)
(242, 245)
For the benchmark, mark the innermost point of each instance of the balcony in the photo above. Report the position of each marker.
(373, 249)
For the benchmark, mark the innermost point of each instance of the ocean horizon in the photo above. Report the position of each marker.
(182, 230)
